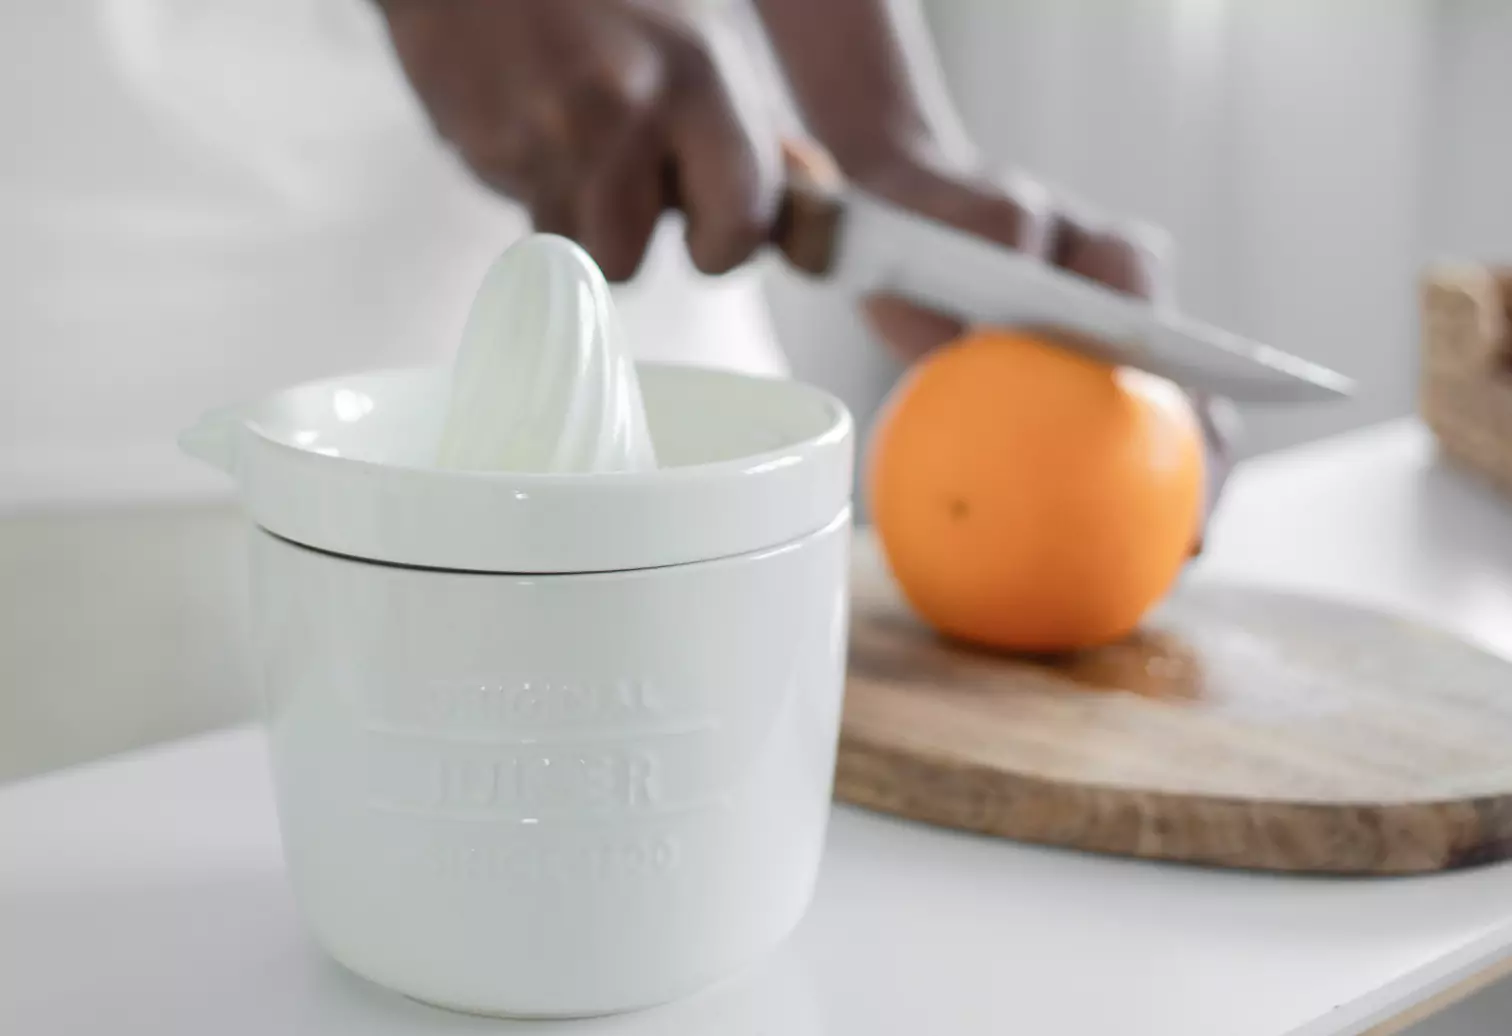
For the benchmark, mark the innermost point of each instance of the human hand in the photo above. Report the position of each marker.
(1025, 217)
(597, 115)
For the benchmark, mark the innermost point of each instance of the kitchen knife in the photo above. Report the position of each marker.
(863, 245)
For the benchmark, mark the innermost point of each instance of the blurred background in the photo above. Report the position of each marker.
(203, 199)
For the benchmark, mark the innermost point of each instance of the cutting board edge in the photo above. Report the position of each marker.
(1230, 833)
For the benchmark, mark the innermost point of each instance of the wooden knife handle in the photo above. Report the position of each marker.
(808, 220)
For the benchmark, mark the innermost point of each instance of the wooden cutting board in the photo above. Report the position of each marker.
(1239, 728)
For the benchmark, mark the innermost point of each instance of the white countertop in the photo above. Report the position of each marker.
(146, 895)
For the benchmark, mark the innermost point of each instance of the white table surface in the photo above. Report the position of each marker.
(146, 895)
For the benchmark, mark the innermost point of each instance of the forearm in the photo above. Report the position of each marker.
(865, 80)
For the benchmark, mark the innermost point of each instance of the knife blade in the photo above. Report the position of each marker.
(862, 245)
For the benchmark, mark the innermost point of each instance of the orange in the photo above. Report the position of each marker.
(1028, 498)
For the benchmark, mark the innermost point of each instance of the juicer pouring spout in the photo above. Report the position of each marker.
(213, 437)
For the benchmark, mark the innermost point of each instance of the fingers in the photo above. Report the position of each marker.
(1016, 217)
(1127, 259)
(1221, 429)
(607, 197)
(554, 213)
(727, 175)
(1024, 215)
(552, 105)
(575, 108)
(1220, 425)
(620, 206)
(703, 155)
(909, 331)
